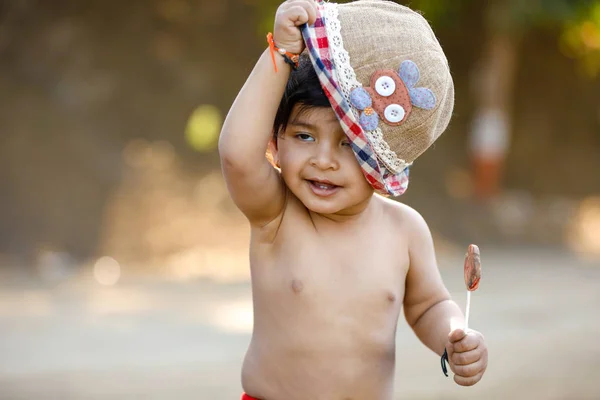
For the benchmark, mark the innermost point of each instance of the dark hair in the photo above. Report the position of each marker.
(303, 88)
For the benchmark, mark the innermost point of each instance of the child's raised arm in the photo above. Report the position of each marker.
(254, 185)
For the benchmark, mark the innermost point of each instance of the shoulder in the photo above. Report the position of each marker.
(405, 221)
(401, 214)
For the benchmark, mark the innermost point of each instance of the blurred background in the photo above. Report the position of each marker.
(123, 263)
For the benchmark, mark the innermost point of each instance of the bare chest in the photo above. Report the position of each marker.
(342, 271)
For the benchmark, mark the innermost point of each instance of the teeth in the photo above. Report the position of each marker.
(323, 186)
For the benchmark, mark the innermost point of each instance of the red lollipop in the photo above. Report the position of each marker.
(472, 268)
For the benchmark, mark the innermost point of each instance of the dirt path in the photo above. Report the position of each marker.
(151, 339)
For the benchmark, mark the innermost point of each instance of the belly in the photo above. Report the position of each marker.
(276, 371)
(361, 322)
(316, 340)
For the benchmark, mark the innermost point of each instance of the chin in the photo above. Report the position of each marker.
(323, 207)
(340, 203)
(318, 204)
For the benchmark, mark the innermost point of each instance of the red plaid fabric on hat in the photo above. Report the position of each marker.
(317, 44)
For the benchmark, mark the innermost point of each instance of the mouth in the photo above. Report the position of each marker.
(323, 188)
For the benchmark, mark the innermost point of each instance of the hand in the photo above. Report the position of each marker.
(290, 15)
(467, 356)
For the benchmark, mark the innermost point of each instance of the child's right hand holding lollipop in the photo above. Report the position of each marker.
(290, 15)
(466, 349)
(467, 356)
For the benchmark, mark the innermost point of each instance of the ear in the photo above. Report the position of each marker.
(273, 153)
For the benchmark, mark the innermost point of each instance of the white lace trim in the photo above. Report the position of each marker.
(346, 78)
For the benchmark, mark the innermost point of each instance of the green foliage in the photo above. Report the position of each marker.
(438, 12)
(581, 39)
(546, 12)
(519, 14)
(522, 13)
(578, 19)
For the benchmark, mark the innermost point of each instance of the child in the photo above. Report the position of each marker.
(332, 261)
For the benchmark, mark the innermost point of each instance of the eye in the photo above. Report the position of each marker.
(305, 137)
(346, 143)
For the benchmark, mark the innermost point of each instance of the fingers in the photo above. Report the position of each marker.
(471, 373)
(312, 12)
(468, 381)
(463, 363)
(464, 342)
(470, 370)
(298, 15)
(300, 11)
(456, 335)
(465, 358)
(290, 15)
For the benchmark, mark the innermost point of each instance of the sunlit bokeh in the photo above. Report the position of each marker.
(107, 271)
(584, 233)
(220, 264)
(157, 155)
(457, 323)
(235, 317)
(203, 128)
(53, 265)
(581, 40)
(120, 301)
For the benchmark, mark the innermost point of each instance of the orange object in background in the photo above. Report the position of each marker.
(487, 175)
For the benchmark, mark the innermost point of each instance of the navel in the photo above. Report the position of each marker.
(297, 286)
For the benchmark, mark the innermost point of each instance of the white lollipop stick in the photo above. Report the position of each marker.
(472, 272)
(467, 310)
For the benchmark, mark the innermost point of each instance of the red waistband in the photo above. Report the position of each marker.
(246, 397)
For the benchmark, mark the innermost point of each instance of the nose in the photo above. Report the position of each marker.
(325, 157)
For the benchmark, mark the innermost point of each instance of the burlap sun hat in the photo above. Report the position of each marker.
(388, 81)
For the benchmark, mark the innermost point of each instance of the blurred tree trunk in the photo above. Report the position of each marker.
(493, 89)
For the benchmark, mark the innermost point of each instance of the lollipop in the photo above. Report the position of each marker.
(472, 276)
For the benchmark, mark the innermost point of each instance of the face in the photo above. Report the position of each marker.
(318, 165)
